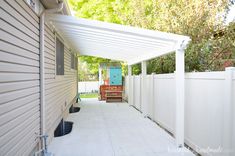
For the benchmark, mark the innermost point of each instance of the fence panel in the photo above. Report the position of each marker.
(88, 86)
(126, 89)
(164, 100)
(137, 92)
(149, 98)
(208, 112)
(204, 99)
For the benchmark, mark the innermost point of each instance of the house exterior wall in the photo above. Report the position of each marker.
(60, 90)
(20, 80)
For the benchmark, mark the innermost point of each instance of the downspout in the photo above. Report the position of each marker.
(42, 83)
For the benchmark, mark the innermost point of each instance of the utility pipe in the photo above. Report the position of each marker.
(42, 83)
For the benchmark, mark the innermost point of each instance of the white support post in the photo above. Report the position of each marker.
(233, 114)
(180, 93)
(143, 88)
(132, 90)
(100, 76)
(130, 101)
(228, 114)
(152, 108)
(140, 96)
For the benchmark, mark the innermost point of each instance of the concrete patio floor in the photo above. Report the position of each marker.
(113, 129)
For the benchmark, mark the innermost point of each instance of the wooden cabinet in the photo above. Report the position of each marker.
(112, 89)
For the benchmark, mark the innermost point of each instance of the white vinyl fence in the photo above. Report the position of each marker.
(209, 107)
(88, 86)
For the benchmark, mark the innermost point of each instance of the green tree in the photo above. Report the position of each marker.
(212, 45)
(89, 65)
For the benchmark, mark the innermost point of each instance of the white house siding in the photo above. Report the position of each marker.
(20, 83)
(19, 78)
(61, 90)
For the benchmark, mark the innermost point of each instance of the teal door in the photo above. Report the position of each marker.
(115, 76)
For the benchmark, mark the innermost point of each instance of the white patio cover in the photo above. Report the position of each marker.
(130, 44)
(114, 41)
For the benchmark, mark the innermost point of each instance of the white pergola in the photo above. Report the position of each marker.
(131, 45)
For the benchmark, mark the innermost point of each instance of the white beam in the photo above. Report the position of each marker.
(133, 56)
(98, 25)
(104, 47)
(111, 36)
(180, 91)
(128, 37)
(102, 53)
(117, 38)
(144, 105)
(149, 55)
(122, 42)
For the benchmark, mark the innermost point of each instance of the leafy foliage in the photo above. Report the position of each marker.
(212, 45)
(92, 64)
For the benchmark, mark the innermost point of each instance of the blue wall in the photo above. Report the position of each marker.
(115, 76)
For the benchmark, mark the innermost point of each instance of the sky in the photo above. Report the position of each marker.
(231, 14)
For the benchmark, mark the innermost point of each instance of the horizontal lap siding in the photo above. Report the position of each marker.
(19, 78)
(60, 91)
